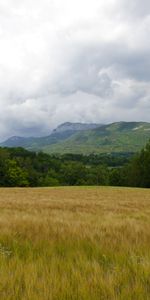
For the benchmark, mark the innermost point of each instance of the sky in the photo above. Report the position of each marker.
(78, 61)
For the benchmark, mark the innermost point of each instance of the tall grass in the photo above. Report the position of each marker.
(75, 244)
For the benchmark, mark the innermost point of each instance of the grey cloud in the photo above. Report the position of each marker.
(96, 69)
(56, 66)
(135, 8)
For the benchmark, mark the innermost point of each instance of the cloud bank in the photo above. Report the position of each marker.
(66, 60)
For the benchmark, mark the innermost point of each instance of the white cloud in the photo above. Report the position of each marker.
(65, 60)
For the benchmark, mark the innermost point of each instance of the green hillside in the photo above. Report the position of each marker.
(79, 138)
(115, 137)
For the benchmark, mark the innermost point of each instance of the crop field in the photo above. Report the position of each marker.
(75, 244)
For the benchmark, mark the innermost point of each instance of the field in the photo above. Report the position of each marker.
(75, 244)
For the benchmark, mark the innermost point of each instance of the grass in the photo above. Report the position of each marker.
(75, 244)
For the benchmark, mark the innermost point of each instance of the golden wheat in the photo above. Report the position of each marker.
(75, 244)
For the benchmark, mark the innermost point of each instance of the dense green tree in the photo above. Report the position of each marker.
(139, 169)
(15, 176)
(4, 157)
(72, 173)
(19, 167)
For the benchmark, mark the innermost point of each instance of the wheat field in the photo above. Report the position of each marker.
(75, 243)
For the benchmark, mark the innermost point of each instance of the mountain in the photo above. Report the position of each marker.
(62, 132)
(88, 138)
(115, 137)
(17, 141)
(75, 127)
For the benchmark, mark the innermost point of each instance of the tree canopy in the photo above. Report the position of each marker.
(22, 168)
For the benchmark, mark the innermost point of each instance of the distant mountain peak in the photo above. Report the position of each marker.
(68, 126)
(15, 138)
(87, 138)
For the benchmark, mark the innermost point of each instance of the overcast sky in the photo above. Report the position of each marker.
(67, 60)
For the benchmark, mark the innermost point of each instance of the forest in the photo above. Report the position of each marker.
(22, 168)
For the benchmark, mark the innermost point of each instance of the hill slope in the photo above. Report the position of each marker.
(88, 138)
(62, 132)
(115, 137)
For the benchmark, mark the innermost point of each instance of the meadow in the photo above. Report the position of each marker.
(74, 243)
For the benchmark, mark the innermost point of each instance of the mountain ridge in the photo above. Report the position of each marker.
(75, 126)
(88, 138)
(61, 132)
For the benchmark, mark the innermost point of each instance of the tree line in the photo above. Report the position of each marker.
(22, 168)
